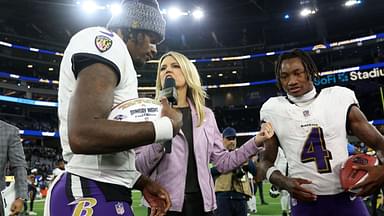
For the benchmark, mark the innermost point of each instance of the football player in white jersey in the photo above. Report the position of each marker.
(311, 127)
(97, 72)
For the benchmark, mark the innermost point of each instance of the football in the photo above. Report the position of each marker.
(350, 177)
(135, 110)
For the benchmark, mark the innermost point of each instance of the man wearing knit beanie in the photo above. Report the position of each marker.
(139, 18)
(98, 72)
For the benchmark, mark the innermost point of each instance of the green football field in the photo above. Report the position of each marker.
(273, 207)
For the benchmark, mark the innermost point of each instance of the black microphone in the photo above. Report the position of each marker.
(169, 91)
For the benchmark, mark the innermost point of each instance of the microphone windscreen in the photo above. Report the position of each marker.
(169, 90)
(169, 82)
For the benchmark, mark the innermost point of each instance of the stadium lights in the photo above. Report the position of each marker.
(90, 6)
(286, 16)
(198, 14)
(115, 9)
(351, 3)
(174, 13)
(306, 12)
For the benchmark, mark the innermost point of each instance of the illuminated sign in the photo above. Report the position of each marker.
(362, 75)
(333, 79)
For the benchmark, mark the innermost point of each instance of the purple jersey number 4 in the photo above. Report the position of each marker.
(315, 150)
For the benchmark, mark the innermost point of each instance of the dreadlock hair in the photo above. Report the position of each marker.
(309, 65)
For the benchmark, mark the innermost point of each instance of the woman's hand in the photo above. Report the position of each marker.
(266, 132)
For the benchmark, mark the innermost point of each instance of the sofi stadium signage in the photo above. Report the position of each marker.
(362, 75)
(353, 75)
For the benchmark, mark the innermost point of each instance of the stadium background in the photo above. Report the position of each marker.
(234, 46)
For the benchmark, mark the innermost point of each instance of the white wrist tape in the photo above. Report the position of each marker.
(163, 129)
(270, 171)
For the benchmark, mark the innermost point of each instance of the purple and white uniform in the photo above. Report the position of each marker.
(79, 196)
(314, 140)
(93, 45)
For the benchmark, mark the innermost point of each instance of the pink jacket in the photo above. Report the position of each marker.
(208, 147)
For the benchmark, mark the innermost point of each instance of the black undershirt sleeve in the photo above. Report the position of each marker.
(347, 121)
(83, 60)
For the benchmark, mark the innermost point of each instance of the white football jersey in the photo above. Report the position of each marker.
(281, 161)
(314, 136)
(118, 168)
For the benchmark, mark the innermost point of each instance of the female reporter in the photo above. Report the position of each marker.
(184, 172)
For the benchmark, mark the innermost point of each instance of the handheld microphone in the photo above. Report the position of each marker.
(169, 91)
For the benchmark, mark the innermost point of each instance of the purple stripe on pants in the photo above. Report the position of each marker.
(330, 205)
(95, 204)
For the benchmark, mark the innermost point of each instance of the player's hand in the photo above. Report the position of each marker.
(173, 114)
(157, 198)
(266, 132)
(17, 207)
(373, 182)
(293, 186)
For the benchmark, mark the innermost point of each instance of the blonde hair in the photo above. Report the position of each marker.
(195, 91)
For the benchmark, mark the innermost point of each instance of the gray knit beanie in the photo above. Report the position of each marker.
(140, 14)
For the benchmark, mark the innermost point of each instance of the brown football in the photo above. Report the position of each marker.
(350, 177)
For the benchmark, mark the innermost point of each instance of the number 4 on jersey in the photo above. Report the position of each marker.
(315, 150)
